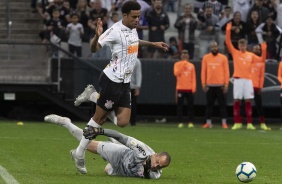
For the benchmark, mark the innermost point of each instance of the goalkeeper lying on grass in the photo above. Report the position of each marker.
(126, 155)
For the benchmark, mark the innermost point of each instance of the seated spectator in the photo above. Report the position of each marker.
(63, 11)
(271, 6)
(226, 16)
(97, 12)
(102, 13)
(216, 6)
(238, 30)
(208, 26)
(186, 25)
(158, 22)
(269, 32)
(142, 25)
(110, 5)
(114, 17)
(66, 5)
(263, 12)
(53, 28)
(173, 48)
(242, 6)
(82, 10)
(38, 5)
(279, 14)
(169, 5)
(75, 31)
(252, 25)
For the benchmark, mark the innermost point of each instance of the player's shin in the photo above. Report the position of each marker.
(80, 151)
(112, 116)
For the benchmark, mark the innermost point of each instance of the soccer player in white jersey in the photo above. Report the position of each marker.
(114, 94)
(126, 155)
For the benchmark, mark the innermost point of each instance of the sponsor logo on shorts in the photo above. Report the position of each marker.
(109, 104)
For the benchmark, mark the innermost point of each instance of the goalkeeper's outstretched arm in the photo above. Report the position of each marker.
(90, 133)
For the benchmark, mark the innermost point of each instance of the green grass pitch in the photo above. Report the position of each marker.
(39, 153)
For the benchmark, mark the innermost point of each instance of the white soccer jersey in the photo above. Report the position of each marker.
(123, 42)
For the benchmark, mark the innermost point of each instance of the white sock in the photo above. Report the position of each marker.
(93, 97)
(112, 116)
(80, 150)
(209, 121)
(223, 121)
(74, 130)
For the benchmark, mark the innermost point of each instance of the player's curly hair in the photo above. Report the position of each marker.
(130, 5)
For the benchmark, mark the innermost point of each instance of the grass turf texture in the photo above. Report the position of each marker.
(39, 153)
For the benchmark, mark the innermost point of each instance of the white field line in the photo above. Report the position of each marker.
(9, 179)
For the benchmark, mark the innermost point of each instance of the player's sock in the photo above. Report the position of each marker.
(112, 116)
(209, 121)
(80, 150)
(74, 130)
(223, 121)
(249, 113)
(236, 112)
(261, 119)
(94, 96)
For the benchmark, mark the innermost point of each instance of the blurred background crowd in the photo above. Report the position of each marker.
(192, 25)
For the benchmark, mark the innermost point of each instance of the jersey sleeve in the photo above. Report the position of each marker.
(226, 71)
(108, 37)
(194, 82)
(228, 39)
(280, 72)
(261, 77)
(141, 150)
(203, 71)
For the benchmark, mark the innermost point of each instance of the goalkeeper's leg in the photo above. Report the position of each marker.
(65, 122)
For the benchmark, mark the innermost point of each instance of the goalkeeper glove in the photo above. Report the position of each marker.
(90, 132)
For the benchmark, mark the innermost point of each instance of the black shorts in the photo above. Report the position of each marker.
(113, 94)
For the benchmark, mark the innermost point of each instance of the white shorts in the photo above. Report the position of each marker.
(243, 89)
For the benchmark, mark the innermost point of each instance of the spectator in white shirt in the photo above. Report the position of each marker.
(75, 30)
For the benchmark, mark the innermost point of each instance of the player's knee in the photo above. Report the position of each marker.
(122, 123)
(108, 169)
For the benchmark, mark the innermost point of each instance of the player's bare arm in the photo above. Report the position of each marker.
(160, 45)
(94, 45)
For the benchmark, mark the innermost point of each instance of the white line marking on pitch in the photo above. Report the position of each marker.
(9, 179)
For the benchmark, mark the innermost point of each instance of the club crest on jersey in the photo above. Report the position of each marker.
(109, 104)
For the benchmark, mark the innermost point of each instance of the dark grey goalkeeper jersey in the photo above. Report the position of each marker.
(127, 160)
(134, 158)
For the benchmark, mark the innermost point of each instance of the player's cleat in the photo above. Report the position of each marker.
(180, 125)
(190, 125)
(79, 163)
(224, 126)
(236, 126)
(53, 118)
(85, 95)
(250, 126)
(264, 127)
(207, 125)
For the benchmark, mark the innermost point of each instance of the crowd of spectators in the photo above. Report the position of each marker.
(200, 23)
